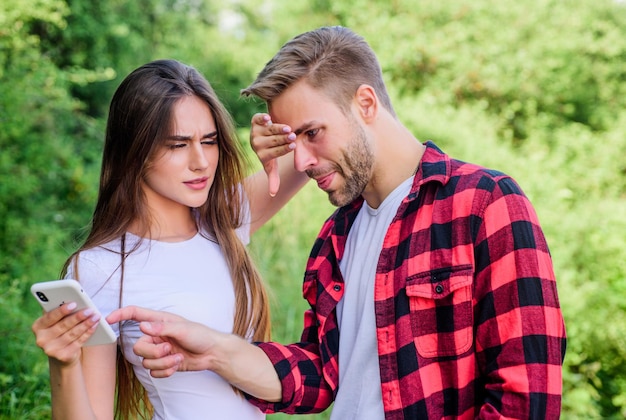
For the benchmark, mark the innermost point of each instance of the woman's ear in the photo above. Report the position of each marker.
(366, 102)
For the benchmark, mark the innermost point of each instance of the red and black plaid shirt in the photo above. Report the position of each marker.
(467, 314)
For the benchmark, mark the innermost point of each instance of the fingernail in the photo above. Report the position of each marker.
(88, 311)
(291, 136)
(286, 129)
(71, 305)
(95, 318)
(272, 194)
(292, 146)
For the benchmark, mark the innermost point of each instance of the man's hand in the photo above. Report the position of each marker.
(172, 343)
(270, 141)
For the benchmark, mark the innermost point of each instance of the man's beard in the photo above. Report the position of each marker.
(355, 167)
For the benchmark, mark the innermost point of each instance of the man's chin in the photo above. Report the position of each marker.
(338, 199)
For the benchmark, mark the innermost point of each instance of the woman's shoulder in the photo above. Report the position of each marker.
(98, 261)
(104, 252)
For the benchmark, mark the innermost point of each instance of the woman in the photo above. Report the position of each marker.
(173, 215)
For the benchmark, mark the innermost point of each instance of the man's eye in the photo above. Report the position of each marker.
(311, 133)
(209, 142)
(176, 145)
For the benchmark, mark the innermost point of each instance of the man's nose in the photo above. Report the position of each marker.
(303, 158)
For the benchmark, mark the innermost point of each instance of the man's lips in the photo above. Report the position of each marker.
(324, 181)
(198, 183)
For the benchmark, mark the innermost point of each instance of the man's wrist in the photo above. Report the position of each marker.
(248, 368)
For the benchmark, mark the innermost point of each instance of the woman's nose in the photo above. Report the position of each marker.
(198, 159)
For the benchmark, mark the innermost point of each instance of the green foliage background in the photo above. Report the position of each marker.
(535, 88)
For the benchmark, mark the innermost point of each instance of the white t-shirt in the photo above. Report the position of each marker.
(359, 392)
(188, 278)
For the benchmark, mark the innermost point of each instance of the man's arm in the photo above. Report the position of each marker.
(299, 367)
(520, 333)
(172, 343)
(270, 189)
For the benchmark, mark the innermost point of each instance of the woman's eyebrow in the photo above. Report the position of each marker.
(181, 137)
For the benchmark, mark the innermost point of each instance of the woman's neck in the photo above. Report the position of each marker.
(174, 229)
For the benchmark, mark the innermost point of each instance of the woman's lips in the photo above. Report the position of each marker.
(197, 184)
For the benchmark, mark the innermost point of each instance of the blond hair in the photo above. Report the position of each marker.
(332, 59)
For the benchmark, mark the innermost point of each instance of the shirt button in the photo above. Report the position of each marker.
(336, 288)
(439, 288)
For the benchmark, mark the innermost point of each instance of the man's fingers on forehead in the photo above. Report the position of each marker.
(264, 119)
(260, 118)
(280, 129)
(281, 151)
(278, 141)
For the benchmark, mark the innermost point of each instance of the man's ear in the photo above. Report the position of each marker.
(366, 102)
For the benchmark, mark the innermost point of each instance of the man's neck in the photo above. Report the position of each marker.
(397, 159)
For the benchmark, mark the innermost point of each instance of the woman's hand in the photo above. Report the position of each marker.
(62, 332)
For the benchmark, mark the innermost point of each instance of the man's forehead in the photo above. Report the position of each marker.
(301, 107)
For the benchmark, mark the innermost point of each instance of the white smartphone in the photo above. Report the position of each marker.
(54, 293)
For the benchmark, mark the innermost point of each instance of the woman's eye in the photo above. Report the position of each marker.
(209, 142)
(176, 145)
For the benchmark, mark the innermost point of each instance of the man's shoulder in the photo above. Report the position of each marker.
(451, 181)
(438, 165)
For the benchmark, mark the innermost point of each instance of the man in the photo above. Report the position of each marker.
(431, 288)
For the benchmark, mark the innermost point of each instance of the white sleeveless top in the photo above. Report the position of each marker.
(190, 279)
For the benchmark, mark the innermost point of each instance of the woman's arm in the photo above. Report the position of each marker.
(82, 379)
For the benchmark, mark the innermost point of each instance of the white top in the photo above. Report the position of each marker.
(359, 392)
(188, 278)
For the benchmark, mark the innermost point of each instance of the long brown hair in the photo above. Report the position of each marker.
(140, 119)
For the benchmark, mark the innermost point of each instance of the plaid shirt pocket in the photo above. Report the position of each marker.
(441, 311)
